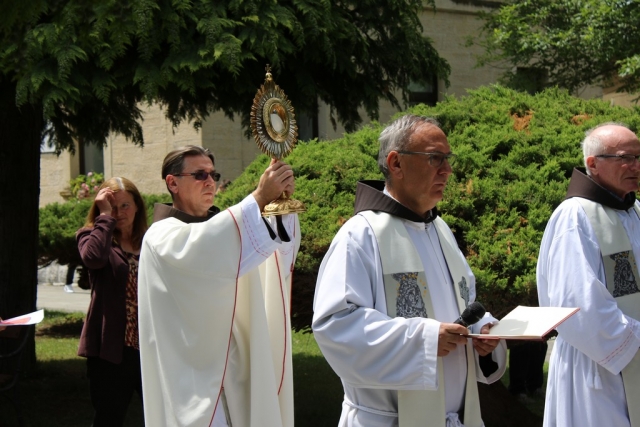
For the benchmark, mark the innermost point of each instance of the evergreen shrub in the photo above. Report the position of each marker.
(516, 153)
(326, 176)
(57, 231)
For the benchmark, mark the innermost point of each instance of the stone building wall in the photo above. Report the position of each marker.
(619, 98)
(142, 165)
(448, 28)
(55, 174)
(226, 140)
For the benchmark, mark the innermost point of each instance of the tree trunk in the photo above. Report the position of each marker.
(20, 136)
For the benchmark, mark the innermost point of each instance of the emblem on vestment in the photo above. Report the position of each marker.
(409, 303)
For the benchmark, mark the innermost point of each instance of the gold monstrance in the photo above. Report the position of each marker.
(274, 128)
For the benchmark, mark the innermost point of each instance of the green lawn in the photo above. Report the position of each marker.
(57, 394)
(536, 403)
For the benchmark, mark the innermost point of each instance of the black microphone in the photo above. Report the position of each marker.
(474, 312)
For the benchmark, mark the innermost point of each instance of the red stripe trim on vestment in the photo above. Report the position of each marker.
(284, 313)
(235, 301)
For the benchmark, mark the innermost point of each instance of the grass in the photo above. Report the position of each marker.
(535, 403)
(57, 394)
(317, 389)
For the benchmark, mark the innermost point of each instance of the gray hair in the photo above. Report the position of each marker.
(397, 136)
(593, 145)
(119, 183)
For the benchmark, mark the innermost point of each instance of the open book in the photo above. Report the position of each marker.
(529, 323)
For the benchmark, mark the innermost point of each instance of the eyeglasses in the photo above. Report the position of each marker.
(435, 159)
(201, 175)
(626, 159)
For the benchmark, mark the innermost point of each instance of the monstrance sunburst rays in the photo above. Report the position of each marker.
(274, 129)
(273, 122)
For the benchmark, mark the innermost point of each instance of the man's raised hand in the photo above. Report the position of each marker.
(276, 179)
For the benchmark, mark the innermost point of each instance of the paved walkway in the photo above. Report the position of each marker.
(51, 294)
(53, 297)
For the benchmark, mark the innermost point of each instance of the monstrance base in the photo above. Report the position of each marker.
(283, 205)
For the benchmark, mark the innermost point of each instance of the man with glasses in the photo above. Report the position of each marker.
(391, 286)
(214, 290)
(589, 259)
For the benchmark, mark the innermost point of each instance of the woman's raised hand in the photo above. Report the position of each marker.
(104, 199)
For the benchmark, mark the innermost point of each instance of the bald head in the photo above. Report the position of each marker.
(595, 139)
(609, 156)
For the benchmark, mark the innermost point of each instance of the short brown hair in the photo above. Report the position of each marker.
(173, 162)
(139, 222)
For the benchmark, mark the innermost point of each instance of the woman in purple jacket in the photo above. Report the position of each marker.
(109, 246)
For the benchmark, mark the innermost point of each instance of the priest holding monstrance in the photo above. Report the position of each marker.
(214, 288)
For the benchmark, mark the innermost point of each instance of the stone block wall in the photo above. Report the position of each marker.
(225, 138)
(142, 165)
(55, 174)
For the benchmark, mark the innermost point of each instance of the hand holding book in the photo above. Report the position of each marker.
(528, 323)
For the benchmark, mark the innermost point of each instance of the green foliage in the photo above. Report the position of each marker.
(152, 199)
(326, 176)
(89, 65)
(515, 153)
(60, 221)
(576, 42)
(515, 156)
(84, 186)
(58, 225)
(77, 70)
(61, 380)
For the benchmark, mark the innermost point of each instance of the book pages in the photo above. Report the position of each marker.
(529, 323)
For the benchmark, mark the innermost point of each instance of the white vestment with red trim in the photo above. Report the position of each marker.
(214, 319)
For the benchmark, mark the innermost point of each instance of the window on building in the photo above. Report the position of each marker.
(423, 93)
(494, 4)
(48, 144)
(307, 126)
(91, 158)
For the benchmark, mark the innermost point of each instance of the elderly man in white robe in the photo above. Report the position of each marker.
(391, 286)
(588, 260)
(214, 293)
